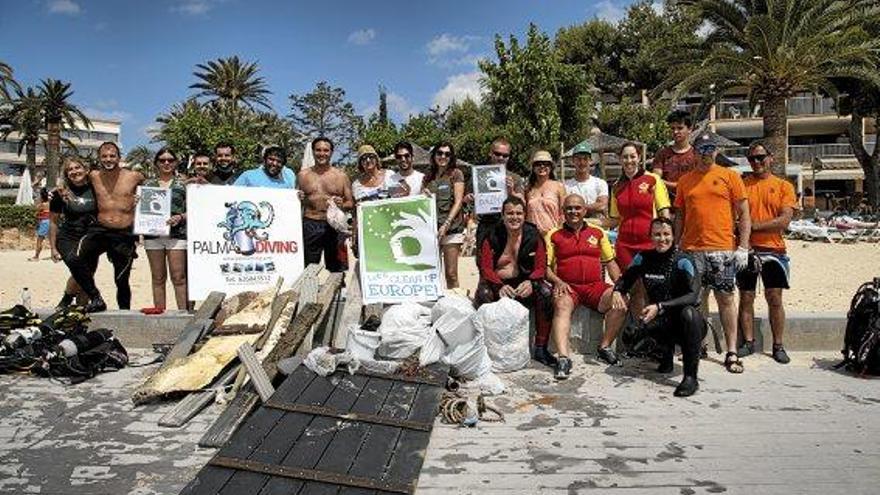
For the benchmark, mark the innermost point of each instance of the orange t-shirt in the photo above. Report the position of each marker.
(708, 200)
(767, 197)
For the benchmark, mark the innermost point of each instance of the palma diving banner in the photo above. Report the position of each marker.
(241, 238)
(399, 253)
(490, 188)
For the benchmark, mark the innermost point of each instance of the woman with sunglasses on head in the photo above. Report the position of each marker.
(73, 208)
(636, 199)
(544, 194)
(445, 181)
(167, 254)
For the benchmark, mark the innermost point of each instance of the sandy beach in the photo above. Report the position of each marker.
(824, 277)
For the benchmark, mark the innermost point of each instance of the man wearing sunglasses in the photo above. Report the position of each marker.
(403, 154)
(499, 154)
(772, 203)
(711, 200)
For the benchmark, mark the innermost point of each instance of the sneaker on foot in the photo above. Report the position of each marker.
(96, 305)
(563, 368)
(780, 355)
(543, 356)
(608, 355)
(746, 349)
(687, 387)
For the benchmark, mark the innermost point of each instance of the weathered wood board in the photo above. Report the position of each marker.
(339, 434)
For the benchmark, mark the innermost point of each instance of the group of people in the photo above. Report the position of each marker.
(685, 226)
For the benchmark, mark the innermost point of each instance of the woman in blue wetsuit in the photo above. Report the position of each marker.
(672, 315)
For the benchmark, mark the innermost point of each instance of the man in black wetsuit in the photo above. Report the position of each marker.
(672, 315)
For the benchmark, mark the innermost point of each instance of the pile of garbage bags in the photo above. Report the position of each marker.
(475, 344)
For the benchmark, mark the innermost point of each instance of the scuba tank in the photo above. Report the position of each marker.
(78, 344)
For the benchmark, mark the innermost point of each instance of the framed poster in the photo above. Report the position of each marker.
(399, 251)
(152, 211)
(490, 188)
(242, 238)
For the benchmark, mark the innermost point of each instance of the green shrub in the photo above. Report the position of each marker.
(21, 217)
(7, 200)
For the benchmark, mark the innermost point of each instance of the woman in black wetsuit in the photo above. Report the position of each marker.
(73, 209)
(672, 315)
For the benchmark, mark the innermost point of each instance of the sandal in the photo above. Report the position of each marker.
(732, 363)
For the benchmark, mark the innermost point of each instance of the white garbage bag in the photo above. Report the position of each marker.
(405, 328)
(505, 328)
(447, 303)
(452, 329)
(362, 344)
(469, 361)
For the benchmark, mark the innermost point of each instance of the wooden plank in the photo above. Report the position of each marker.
(413, 444)
(255, 370)
(198, 326)
(188, 407)
(243, 403)
(210, 479)
(328, 292)
(375, 451)
(351, 311)
(308, 449)
(276, 442)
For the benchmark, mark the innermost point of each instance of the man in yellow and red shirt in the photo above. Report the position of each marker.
(772, 203)
(711, 200)
(575, 255)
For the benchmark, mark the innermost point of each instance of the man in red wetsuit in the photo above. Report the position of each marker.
(575, 255)
(513, 262)
(672, 162)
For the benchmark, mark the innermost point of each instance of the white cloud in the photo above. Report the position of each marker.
(362, 36)
(447, 50)
(459, 88)
(192, 7)
(399, 107)
(66, 7)
(608, 11)
(104, 114)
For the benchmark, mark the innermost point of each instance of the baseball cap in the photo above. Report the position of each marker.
(705, 144)
(582, 148)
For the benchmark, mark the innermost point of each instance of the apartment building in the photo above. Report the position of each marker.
(87, 141)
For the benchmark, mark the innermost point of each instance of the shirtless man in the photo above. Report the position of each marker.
(318, 185)
(115, 190)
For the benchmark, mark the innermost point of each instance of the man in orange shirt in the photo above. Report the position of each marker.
(711, 200)
(772, 202)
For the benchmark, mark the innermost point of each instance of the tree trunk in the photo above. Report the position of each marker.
(776, 132)
(53, 153)
(870, 162)
(31, 157)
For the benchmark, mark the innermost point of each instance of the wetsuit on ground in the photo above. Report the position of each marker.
(671, 280)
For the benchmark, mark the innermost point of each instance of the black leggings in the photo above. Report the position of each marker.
(685, 327)
(67, 245)
(119, 244)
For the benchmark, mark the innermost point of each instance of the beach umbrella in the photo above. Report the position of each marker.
(25, 189)
(308, 157)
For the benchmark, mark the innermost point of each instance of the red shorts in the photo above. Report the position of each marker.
(589, 294)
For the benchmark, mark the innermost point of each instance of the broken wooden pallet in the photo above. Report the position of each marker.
(340, 434)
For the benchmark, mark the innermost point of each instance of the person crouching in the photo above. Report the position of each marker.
(513, 262)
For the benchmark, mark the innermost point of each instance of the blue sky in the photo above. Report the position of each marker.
(130, 60)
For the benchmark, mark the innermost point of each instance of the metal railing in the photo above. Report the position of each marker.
(741, 109)
(804, 153)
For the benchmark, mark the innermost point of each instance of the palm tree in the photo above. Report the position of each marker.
(229, 83)
(140, 158)
(24, 116)
(58, 114)
(774, 49)
(6, 80)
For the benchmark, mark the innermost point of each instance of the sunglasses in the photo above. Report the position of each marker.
(443, 153)
(542, 164)
(403, 156)
(165, 160)
(501, 155)
(756, 158)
